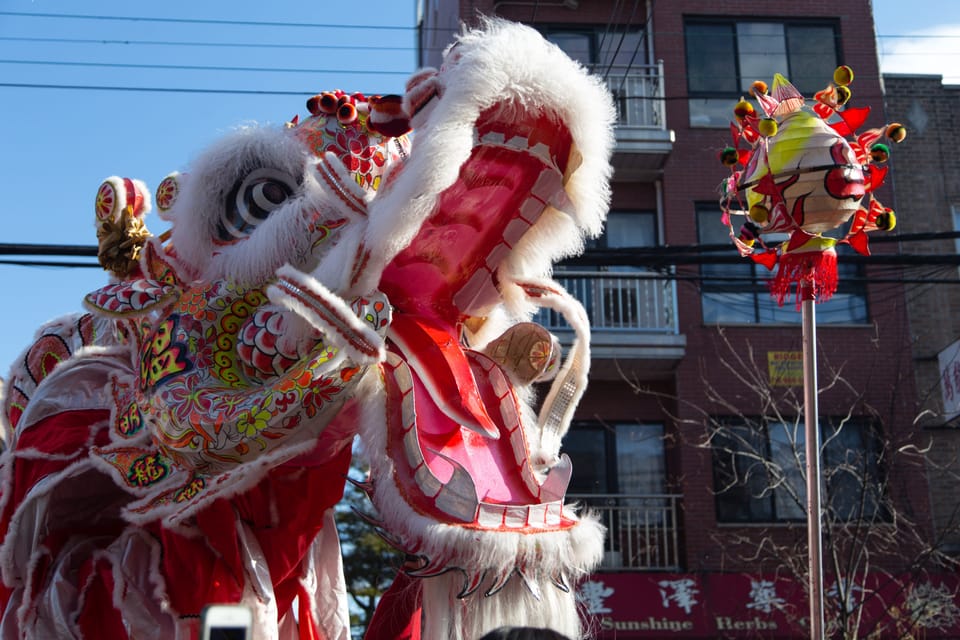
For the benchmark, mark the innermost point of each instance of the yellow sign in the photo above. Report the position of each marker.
(785, 368)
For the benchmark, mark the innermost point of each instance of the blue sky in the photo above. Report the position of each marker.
(57, 144)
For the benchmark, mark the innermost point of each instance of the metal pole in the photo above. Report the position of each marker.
(812, 433)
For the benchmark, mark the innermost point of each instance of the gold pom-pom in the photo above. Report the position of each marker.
(743, 109)
(759, 213)
(759, 87)
(843, 94)
(887, 220)
(768, 127)
(896, 132)
(842, 75)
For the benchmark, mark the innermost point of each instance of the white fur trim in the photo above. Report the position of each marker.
(501, 62)
(285, 235)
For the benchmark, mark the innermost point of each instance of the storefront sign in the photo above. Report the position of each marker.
(623, 606)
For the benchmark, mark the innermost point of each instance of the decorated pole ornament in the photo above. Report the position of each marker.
(799, 177)
(799, 172)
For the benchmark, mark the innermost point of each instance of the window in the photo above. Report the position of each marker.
(601, 48)
(622, 458)
(619, 471)
(621, 297)
(759, 471)
(620, 57)
(736, 292)
(615, 296)
(725, 57)
(627, 230)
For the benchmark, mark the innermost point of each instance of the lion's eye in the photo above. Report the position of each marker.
(252, 200)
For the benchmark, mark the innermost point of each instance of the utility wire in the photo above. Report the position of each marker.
(315, 25)
(196, 43)
(51, 85)
(341, 47)
(85, 87)
(655, 258)
(757, 281)
(187, 67)
(22, 248)
(244, 23)
(50, 263)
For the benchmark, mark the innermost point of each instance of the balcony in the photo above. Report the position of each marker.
(643, 140)
(633, 316)
(642, 530)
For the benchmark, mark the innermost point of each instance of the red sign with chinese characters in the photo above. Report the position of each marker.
(727, 605)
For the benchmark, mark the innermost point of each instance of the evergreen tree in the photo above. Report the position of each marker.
(369, 562)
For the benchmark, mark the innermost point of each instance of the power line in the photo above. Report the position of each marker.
(195, 43)
(207, 21)
(650, 257)
(340, 47)
(28, 85)
(757, 281)
(258, 92)
(315, 25)
(50, 263)
(25, 249)
(187, 67)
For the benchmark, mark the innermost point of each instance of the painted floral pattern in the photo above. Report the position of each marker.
(207, 406)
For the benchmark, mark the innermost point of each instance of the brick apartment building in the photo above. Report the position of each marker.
(928, 196)
(671, 318)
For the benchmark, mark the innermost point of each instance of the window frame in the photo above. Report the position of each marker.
(597, 36)
(711, 108)
(611, 468)
(650, 223)
(757, 498)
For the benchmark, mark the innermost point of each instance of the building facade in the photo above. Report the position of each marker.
(928, 195)
(688, 441)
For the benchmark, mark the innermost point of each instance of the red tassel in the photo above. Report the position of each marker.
(816, 268)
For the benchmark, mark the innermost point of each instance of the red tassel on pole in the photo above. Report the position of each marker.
(812, 265)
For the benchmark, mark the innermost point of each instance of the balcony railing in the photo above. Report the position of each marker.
(635, 302)
(637, 92)
(642, 530)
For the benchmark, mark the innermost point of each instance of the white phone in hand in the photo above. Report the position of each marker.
(226, 622)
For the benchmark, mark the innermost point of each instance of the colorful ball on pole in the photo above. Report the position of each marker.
(804, 173)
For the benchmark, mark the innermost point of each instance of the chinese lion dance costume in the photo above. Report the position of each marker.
(185, 440)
